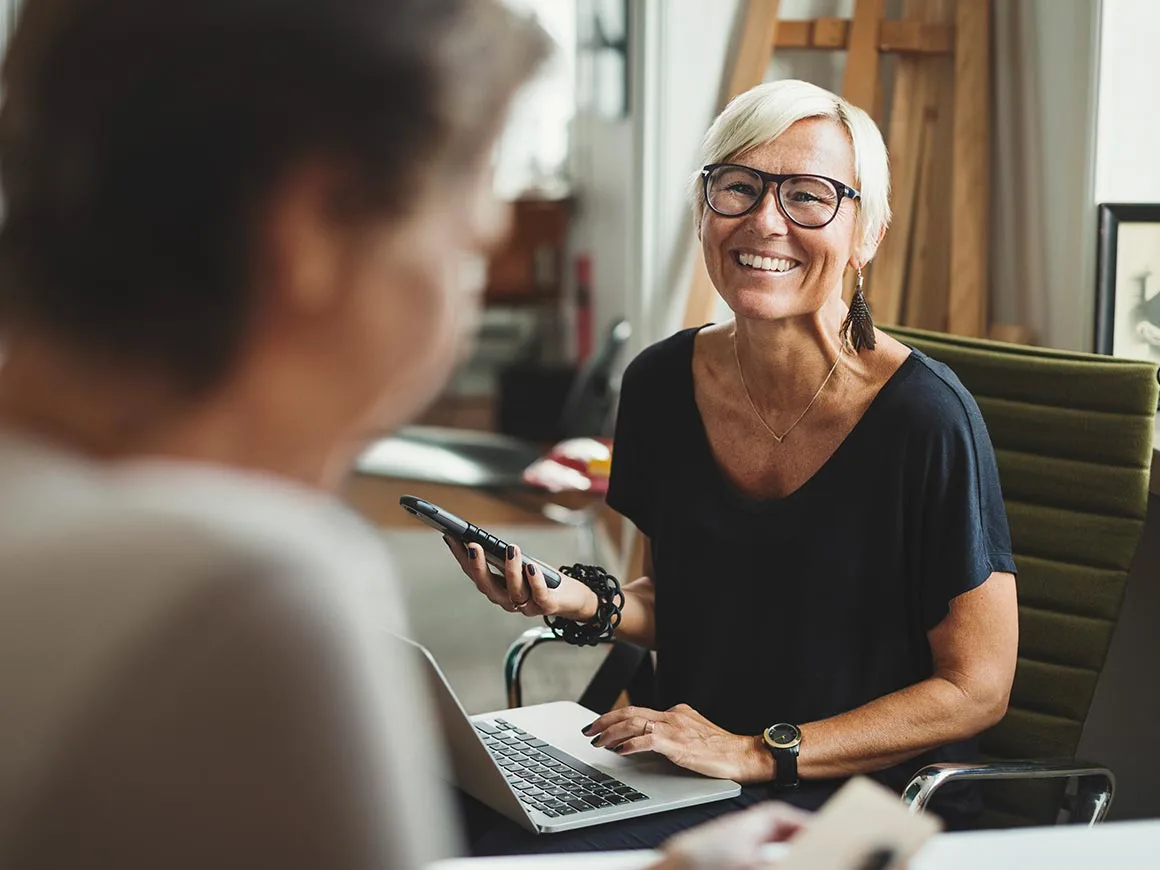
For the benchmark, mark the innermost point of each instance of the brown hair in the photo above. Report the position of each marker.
(138, 140)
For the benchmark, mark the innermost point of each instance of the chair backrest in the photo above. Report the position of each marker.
(590, 402)
(1073, 440)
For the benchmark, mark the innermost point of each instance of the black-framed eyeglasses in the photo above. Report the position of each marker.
(810, 201)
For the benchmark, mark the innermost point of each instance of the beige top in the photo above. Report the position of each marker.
(194, 673)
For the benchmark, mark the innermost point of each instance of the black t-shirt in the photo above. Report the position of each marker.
(800, 608)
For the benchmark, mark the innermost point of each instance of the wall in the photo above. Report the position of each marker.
(602, 171)
(1128, 117)
(678, 83)
(1043, 238)
(605, 213)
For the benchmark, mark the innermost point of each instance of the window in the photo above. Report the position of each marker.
(534, 147)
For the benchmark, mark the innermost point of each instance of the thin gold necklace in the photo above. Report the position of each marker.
(753, 405)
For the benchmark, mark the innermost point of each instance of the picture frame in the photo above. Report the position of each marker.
(1127, 322)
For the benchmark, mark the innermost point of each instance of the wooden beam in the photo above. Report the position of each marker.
(756, 49)
(887, 283)
(860, 80)
(970, 200)
(927, 274)
(895, 36)
(908, 37)
(884, 289)
(826, 32)
(928, 255)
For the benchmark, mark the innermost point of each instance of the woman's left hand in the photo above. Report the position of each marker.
(687, 739)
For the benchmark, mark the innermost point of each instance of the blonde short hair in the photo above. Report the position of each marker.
(763, 113)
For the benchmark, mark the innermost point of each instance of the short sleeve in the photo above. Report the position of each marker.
(964, 537)
(631, 486)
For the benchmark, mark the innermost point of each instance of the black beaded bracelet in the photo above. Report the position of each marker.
(608, 608)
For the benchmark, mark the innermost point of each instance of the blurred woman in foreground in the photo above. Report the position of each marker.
(234, 244)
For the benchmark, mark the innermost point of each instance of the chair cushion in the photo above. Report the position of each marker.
(1073, 439)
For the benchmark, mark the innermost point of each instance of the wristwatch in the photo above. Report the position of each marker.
(782, 741)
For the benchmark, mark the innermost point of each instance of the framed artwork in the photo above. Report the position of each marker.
(1128, 281)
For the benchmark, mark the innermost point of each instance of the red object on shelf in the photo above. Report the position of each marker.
(574, 465)
(583, 308)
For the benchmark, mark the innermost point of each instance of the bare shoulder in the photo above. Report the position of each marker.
(712, 349)
(715, 337)
(877, 366)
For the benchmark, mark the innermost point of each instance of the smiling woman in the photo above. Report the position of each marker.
(828, 580)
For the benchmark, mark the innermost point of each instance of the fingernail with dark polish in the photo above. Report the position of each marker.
(529, 569)
(471, 553)
(587, 728)
(511, 551)
(594, 739)
(617, 749)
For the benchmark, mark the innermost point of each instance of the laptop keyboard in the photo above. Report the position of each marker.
(548, 779)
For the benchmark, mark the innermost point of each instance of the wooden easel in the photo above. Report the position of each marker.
(932, 268)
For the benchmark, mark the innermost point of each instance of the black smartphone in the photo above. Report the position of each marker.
(494, 550)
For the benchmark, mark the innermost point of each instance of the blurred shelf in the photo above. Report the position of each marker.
(529, 269)
(461, 412)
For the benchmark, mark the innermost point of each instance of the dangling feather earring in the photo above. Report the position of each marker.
(858, 327)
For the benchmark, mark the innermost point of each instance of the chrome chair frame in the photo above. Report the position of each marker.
(513, 661)
(602, 690)
(1096, 785)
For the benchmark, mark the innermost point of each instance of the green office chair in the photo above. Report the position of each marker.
(1073, 439)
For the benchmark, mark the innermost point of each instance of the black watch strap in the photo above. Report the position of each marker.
(787, 775)
(783, 741)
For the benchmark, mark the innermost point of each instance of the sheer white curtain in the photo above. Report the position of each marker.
(1043, 237)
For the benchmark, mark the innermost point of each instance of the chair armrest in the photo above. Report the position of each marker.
(513, 660)
(626, 668)
(1097, 785)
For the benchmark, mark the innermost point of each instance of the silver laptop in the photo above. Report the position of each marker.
(534, 766)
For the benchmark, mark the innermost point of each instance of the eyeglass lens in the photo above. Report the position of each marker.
(806, 199)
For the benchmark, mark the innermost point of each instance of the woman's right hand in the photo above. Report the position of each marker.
(521, 588)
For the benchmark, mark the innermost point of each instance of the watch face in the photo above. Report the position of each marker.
(784, 735)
